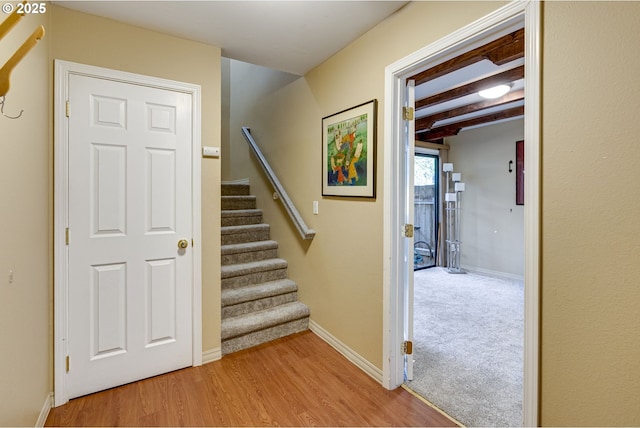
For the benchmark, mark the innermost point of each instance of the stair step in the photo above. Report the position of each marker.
(258, 301)
(248, 252)
(263, 336)
(241, 217)
(246, 233)
(252, 298)
(261, 320)
(242, 274)
(243, 202)
(235, 189)
(265, 289)
(258, 305)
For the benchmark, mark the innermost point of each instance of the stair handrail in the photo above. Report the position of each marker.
(304, 231)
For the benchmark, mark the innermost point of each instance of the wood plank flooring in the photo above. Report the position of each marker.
(296, 381)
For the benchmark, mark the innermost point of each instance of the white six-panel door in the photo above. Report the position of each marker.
(129, 205)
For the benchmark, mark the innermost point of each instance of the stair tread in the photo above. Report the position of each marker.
(229, 271)
(240, 213)
(243, 228)
(263, 290)
(248, 246)
(243, 324)
(239, 197)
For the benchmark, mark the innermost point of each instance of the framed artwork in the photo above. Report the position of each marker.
(519, 172)
(349, 152)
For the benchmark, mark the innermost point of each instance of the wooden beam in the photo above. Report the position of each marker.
(507, 76)
(425, 123)
(432, 145)
(507, 53)
(453, 128)
(499, 51)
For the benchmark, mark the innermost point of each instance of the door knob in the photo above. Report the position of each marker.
(183, 243)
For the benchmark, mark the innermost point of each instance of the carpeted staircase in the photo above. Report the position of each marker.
(259, 302)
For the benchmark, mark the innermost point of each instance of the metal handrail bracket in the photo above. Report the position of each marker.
(305, 232)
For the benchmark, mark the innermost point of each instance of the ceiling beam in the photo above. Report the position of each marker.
(425, 123)
(507, 76)
(453, 128)
(500, 51)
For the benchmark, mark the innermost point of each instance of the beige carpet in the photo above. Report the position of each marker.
(468, 346)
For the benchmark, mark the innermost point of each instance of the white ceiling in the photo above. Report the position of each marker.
(292, 36)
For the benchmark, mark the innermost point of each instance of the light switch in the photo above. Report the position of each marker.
(210, 152)
(315, 207)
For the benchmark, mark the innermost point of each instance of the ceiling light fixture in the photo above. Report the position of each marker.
(495, 92)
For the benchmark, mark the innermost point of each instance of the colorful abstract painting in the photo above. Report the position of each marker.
(349, 152)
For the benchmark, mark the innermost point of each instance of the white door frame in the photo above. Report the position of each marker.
(528, 12)
(63, 70)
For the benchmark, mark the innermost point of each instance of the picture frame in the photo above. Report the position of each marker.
(349, 152)
(520, 172)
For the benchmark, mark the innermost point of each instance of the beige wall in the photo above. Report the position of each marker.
(590, 205)
(24, 227)
(492, 225)
(340, 272)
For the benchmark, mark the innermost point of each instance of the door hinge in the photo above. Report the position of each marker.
(193, 242)
(66, 236)
(67, 106)
(407, 113)
(407, 347)
(408, 231)
(67, 363)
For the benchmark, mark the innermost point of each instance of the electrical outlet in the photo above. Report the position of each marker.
(10, 277)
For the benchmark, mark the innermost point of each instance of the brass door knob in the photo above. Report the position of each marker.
(183, 243)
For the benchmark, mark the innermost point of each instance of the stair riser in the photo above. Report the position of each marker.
(244, 237)
(235, 189)
(254, 278)
(258, 337)
(249, 256)
(241, 221)
(247, 203)
(257, 305)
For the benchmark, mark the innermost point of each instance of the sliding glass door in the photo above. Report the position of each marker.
(426, 210)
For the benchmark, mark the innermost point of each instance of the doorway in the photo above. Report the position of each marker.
(127, 208)
(426, 215)
(468, 328)
(398, 279)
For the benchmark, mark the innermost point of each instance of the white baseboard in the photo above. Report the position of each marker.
(211, 355)
(44, 412)
(493, 273)
(351, 355)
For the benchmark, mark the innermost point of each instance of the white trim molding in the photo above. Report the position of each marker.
(63, 69)
(348, 353)
(211, 355)
(492, 273)
(44, 412)
(523, 13)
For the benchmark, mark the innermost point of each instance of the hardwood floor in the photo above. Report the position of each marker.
(296, 381)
